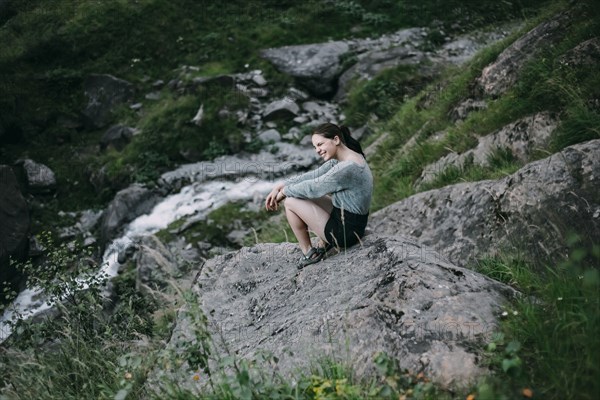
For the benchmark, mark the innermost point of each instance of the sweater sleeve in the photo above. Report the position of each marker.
(311, 175)
(335, 179)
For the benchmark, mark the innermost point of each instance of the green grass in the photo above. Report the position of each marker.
(52, 47)
(549, 340)
(556, 324)
(500, 163)
(263, 227)
(544, 85)
(383, 94)
(548, 344)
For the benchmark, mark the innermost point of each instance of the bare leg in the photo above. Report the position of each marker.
(303, 215)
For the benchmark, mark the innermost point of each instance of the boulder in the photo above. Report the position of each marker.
(155, 265)
(259, 80)
(117, 137)
(500, 76)
(288, 159)
(407, 49)
(270, 135)
(36, 177)
(531, 212)
(523, 139)
(389, 294)
(315, 66)
(14, 228)
(585, 53)
(104, 93)
(285, 109)
(127, 205)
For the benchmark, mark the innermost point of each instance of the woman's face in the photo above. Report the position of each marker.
(325, 148)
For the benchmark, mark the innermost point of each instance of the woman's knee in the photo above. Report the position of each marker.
(291, 203)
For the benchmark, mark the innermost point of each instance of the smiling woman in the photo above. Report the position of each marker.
(333, 201)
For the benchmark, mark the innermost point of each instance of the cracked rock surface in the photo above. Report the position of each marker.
(531, 211)
(390, 294)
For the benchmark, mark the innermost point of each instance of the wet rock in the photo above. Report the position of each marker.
(155, 265)
(127, 205)
(264, 165)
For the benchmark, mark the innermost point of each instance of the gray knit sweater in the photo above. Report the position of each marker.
(349, 184)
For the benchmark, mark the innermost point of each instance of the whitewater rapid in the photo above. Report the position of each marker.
(196, 199)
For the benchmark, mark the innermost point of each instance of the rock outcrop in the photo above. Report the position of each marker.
(128, 204)
(522, 139)
(14, 227)
(318, 66)
(104, 93)
(531, 211)
(37, 178)
(315, 66)
(288, 159)
(117, 137)
(585, 53)
(501, 75)
(155, 265)
(388, 294)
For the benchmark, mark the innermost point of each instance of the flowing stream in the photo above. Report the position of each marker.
(196, 199)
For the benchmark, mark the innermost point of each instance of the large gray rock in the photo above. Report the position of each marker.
(531, 212)
(288, 159)
(409, 51)
(500, 76)
(585, 53)
(127, 205)
(14, 227)
(155, 266)
(389, 294)
(37, 177)
(104, 93)
(523, 138)
(315, 66)
(285, 109)
(116, 137)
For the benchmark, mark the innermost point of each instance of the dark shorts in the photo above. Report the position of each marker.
(345, 232)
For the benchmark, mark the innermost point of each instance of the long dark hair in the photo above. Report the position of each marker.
(330, 131)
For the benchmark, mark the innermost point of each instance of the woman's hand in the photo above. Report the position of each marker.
(273, 199)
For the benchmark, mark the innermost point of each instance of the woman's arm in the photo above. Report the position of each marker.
(274, 197)
(314, 174)
(334, 180)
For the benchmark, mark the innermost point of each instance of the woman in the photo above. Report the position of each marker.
(333, 201)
